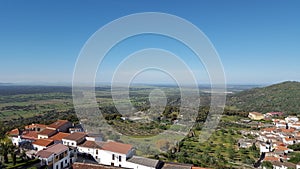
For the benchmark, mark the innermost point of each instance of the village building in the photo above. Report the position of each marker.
(256, 116)
(35, 127)
(46, 133)
(74, 139)
(137, 162)
(56, 156)
(40, 144)
(57, 138)
(60, 126)
(115, 154)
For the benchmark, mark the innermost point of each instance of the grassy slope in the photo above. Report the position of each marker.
(283, 97)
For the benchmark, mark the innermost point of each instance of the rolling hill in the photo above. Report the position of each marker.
(283, 97)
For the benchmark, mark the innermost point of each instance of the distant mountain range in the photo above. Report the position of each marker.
(284, 97)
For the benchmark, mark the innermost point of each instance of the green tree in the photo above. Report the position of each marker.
(6, 147)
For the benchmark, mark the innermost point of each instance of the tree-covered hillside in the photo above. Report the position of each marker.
(283, 97)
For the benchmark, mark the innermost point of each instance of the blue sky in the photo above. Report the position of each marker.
(257, 41)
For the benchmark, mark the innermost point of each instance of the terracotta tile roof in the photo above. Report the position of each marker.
(75, 136)
(77, 165)
(58, 124)
(117, 147)
(57, 148)
(54, 149)
(271, 159)
(44, 154)
(289, 139)
(279, 143)
(59, 136)
(282, 148)
(43, 142)
(92, 144)
(33, 135)
(269, 129)
(14, 132)
(287, 130)
(47, 132)
(31, 126)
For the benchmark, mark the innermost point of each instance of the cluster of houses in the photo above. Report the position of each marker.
(273, 140)
(63, 145)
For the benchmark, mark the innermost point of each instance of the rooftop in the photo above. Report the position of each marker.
(75, 136)
(77, 165)
(92, 144)
(144, 161)
(59, 136)
(58, 124)
(117, 147)
(30, 134)
(54, 149)
(14, 132)
(270, 158)
(47, 132)
(43, 142)
(35, 126)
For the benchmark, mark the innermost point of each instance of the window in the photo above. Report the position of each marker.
(72, 144)
(113, 157)
(66, 161)
(120, 158)
(112, 164)
(120, 165)
(96, 151)
(96, 157)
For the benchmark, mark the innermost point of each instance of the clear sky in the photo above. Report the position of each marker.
(257, 40)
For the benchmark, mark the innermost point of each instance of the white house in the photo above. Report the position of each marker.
(47, 133)
(136, 162)
(291, 119)
(289, 141)
(115, 154)
(56, 156)
(74, 139)
(91, 147)
(40, 144)
(265, 147)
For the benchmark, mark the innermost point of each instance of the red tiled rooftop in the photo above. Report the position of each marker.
(30, 135)
(57, 148)
(269, 129)
(271, 158)
(47, 132)
(117, 147)
(75, 136)
(14, 132)
(35, 126)
(92, 144)
(287, 130)
(44, 154)
(59, 136)
(54, 149)
(78, 165)
(289, 139)
(43, 142)
(282, 148)
(58, 124)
